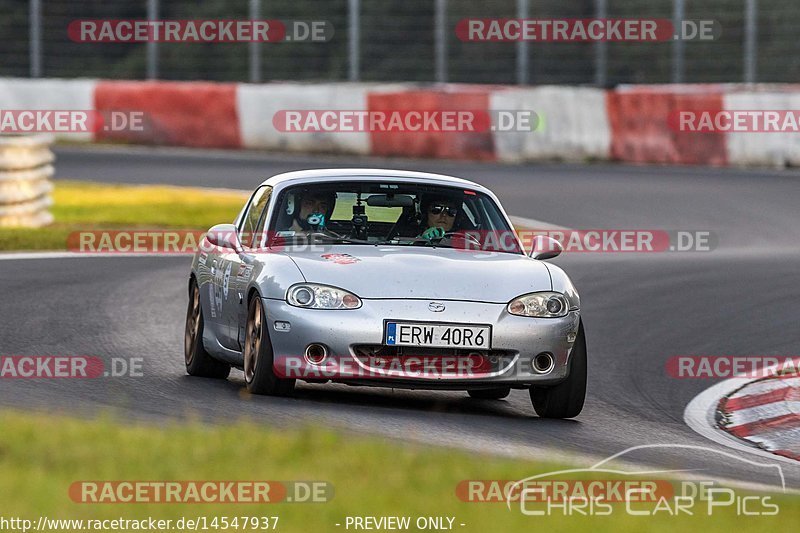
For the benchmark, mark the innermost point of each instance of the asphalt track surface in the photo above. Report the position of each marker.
(638, 309)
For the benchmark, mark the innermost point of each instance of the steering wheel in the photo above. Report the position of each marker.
(463, 235)
(327, 232)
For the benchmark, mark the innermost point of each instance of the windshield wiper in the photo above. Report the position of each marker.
(337, 239)
(412, 242)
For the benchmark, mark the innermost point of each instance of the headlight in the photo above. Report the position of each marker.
(540, 305)
(313, 296)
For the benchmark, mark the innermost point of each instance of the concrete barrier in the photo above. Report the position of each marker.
(257, 105)
(777, 149)
(433, 144)
(573, 124)
(196, 114)
(25, 172)
(641, 133)
(49, 94)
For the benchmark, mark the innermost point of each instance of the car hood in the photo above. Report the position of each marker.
(428, 273)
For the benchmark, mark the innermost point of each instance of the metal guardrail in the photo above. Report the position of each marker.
(25, 186)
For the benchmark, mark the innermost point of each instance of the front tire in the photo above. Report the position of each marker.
(566, 399)
(490, 394)
(258, 357)
(198, 361)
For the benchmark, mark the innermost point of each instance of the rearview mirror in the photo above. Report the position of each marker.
(544, 247)
(224, 236)
(390, 200)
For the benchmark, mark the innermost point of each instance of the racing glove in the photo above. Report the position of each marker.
(433, 234)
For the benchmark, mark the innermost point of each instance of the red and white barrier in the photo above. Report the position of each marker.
(629, 123)
(766, 413)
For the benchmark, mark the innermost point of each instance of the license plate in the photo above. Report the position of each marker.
(422, 334)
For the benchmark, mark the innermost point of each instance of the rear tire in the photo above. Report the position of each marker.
(198, 361)
(490, 394)
(566, 399)
(258, 357)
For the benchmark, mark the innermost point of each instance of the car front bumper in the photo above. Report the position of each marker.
(350, 336)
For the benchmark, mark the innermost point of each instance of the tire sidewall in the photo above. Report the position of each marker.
(566, 399)
(264, 379)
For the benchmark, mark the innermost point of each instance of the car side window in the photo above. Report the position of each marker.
(250, 221)
(262, 222)
(472, 214)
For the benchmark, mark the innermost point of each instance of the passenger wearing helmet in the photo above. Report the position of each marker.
(438, 216)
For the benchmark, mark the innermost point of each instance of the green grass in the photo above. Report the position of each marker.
(91, 206)
(42, 455)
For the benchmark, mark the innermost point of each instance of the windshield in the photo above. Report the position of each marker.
(401, 214)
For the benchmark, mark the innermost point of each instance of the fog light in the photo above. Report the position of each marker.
(543, 363)
(316, 353)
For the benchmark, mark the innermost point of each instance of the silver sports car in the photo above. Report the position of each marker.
(384, 278)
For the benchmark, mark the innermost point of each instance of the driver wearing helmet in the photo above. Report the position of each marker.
(314, 211)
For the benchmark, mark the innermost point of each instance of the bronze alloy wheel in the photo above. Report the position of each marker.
(198, 361)
(252, 341)
(192, 325)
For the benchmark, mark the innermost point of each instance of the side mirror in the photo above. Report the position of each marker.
(544, 247)
(224, 236)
